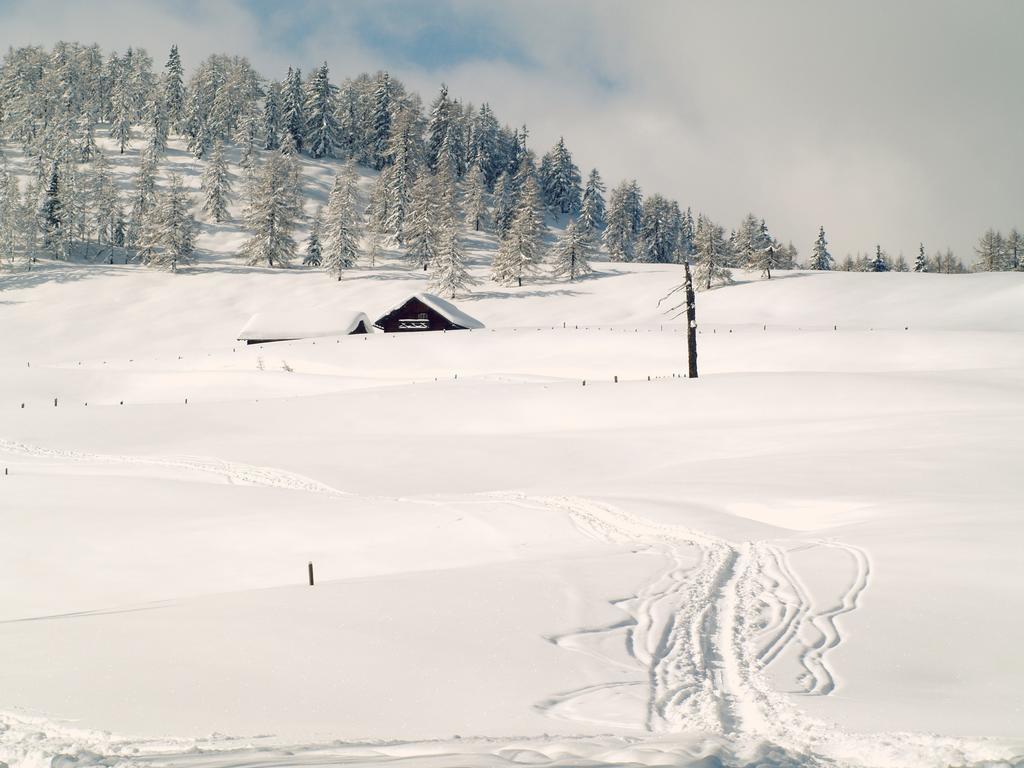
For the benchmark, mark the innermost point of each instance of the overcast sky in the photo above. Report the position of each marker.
(886, 122)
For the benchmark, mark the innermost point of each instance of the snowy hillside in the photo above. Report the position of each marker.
(810, 553)
(534, 541)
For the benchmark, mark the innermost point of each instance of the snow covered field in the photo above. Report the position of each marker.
(810, 554)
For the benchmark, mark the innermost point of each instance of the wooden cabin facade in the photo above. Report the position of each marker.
(426, 312)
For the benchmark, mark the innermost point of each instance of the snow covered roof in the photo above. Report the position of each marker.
(305, 324)
(446, 309)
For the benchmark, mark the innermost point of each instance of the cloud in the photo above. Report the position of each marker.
(886, 122)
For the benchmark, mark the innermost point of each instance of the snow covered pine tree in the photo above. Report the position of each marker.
(570, 255)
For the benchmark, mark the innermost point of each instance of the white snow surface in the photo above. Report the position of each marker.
(808, 556)
(309, 324)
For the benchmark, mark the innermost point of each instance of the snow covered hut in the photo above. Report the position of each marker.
(310, 324)
(426, 312)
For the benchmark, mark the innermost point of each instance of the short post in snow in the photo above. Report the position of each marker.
(311, 573)
(691, 322)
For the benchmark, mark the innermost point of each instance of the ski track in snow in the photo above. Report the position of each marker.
(707, 632)
(233, 472)
(701, 634)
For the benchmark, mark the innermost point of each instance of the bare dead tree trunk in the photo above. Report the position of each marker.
(691, 323)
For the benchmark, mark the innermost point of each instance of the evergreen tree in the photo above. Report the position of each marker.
(273, 119)
(449, 275)
(29, 222)
(527, 169)
(687, 232)
(635, 206)
(515, 149)
(136, 72)
(592, 210)
(288, 148)
(341, 224)
(380, 138)
(87, 148)
(660, 225)
(560, 180)
(217, 186)
(10, 203)
(121, 126)
(519, 251)
(174, 89)
(142, 199)
(117, 235)
(404, 158)
(619, 236)
(767, 254)
(452, 155)
(745, 245)
(75, 200)
(221, 90)
(570, 255)
(712, 255)
(322, 130)
(169, 233)
(921, 262)
(545, 177)
(156, 114)
(377, 210)
(52, 216)
(821, 259)
(880, 263)
(275, 206)
(248, 137)
(314, 248)
(106, 204)
(900, 265)
(421, 230)
(504, 208)
(352, 122)
(476, 199)
(790, 257)
(438, 127)
(485, 146)
(294, 108)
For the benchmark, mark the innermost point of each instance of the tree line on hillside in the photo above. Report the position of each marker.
(442, 171)
(995, 253)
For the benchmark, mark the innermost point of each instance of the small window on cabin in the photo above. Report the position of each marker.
(423, 316)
